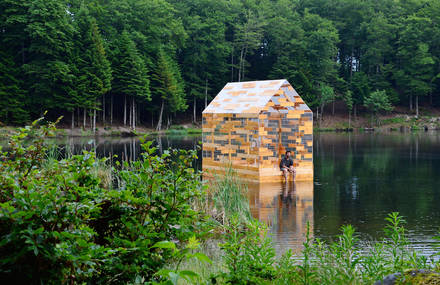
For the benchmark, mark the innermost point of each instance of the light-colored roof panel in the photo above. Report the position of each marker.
(251, 97)
(244, 97)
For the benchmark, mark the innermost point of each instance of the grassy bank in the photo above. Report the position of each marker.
(114, 131)
(396, 122)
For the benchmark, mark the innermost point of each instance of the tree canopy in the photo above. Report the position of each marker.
(137, 60)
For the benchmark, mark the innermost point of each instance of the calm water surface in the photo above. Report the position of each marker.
(359, 179)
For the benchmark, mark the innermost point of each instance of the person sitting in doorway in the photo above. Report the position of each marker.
(286, 165)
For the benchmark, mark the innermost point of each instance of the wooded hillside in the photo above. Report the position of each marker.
(144, 61)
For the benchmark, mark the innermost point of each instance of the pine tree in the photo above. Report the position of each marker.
(48, 69)
(93, 69)
(416, 62)
(130, 78)
(168, 85)
(12, 95)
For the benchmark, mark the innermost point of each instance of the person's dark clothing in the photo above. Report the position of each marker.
(286, 162)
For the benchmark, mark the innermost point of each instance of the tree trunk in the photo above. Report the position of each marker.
(240, 63)
(232, 64)
(84, 118)
(73, 118)
(206, 93)
(91, 120)
(317, 114)
(159, 123)
(355, 112)
(134, 114)
(349, 119)
(351, 63)
(333, 107)
(111, 110)
(94, 119)
(130, 112)
(194, 111)
(103, 109)
(152, 119)
(322, 113)
(243, 61)
(138, 114)
(125, 110)
(417, 106)
(410, 103)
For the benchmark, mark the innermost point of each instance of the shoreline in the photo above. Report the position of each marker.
(337, 123)
(115, 131)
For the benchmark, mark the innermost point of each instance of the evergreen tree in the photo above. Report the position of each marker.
(48, 68)
(93, 78)
(12, 94)
(55, 53)
(130, 78)
(416, 64)
(169, 87)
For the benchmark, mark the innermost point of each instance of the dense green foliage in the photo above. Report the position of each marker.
(144, 61)
(62, 221)
(60, 224)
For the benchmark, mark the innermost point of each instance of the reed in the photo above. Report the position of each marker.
(228, 196)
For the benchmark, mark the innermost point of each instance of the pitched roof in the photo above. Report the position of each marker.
(250, 97)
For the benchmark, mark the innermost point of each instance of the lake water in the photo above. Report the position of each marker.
(359, 179)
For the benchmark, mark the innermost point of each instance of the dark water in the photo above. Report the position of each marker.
(359, 179)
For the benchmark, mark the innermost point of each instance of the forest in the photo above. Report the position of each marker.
(148, 62)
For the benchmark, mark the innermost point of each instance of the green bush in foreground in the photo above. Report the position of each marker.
(58, 225)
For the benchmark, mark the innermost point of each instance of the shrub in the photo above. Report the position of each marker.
(45, 213)
(151, 204)
(58, 224)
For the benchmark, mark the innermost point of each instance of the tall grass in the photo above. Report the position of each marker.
(226, 203)
(104, 171)
(227, 195)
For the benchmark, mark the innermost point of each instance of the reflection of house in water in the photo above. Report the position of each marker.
(286, 209)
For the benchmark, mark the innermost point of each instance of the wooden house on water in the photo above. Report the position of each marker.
(250, 126)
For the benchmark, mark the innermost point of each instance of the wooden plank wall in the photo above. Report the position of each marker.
(253, 144)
